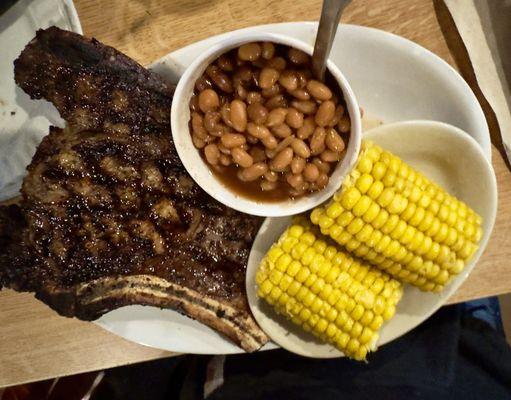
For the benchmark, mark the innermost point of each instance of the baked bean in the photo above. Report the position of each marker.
(311, 172)
(276, 116)
(277, 126)
(198, 126)
(294, 118)
(271, 176)
(225, 63)
(258, 131)
(268, 77)
(297, 165)
(270, 153)
(323, 166)
(257, 154)
(319, 90)
(294, 180)
(305, 106)
(300, 148)
(282, 160)
(268, 50)
(272, 91)
(282, 131)
(219, 78)
(203, 83)
(225, 160)
(329, 156)
(212, 123)
(225, 112)
(254, 97)
(283, 144)
(208, 100)
(241, 157)
(269, 142)
(259, 63)
(251, 139)
(212, 154)
(239, 115)
(300, 94)
(306, 129)
(197, 141)
(303, 78)
(266, 185)
(289, 80)
(257, 113)
(253, 172)
(322, 181)
(231, 140)
(194, 103)
(243, 75)
(344, 125)
(223, 149)
(275, 102)
(297, 56)
(241, 92)
(325, 113)
(334, 141)
(277, 63)
(249, 51)
(339, 112)
(317, 142)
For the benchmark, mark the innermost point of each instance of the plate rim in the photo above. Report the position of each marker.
(170, 62)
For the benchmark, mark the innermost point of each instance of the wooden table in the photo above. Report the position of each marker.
(35, 343)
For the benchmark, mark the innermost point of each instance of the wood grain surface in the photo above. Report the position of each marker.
(35, 343)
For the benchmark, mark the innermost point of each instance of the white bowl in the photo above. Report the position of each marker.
(200, 171)
(445, 154)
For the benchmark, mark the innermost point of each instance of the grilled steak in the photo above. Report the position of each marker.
(109, 216)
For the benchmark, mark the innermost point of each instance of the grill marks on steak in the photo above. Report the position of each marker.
(108, 198)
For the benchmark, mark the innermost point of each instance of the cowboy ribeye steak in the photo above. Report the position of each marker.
(109, 216)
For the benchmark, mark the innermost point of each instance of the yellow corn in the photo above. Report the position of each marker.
(396, 219)
(335, 296)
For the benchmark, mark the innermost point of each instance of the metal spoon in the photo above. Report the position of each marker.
(330, 16)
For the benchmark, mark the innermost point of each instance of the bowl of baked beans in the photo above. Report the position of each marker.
(258, 132)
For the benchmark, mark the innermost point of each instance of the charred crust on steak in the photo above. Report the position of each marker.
(109, 216)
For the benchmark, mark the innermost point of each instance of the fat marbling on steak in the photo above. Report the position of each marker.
(109, 216)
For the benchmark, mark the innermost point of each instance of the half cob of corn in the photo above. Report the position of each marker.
(396, 219)
(326, 291)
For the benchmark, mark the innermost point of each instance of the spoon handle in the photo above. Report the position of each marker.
(330, 15)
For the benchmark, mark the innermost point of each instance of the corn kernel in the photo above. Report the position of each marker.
(350, 197)
(389, 312)
(331, 331)
(334, 210)
(364, 182)
(283, 261)
(355, 226)
(293, 288)
(274, 254)
(325, 222)
(332, 314)
(362, 206)
(379, 170)
(302, 292)
(285, 282)
(375, 190)
(342, 340)
(376, 323)
(310, 280)
(365, 165)
(345, 218)
(308, 299)
(317, 286)
(308, 238)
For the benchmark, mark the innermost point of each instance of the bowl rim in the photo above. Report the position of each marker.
(200, 171)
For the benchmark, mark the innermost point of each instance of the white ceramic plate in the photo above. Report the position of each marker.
(446, 155)
(394, 80)
(24, 122)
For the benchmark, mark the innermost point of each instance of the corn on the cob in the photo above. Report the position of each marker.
(396, 219)
(336, 297)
